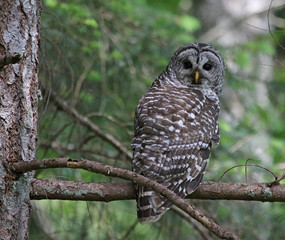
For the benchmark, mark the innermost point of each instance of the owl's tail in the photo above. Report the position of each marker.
(150, 205)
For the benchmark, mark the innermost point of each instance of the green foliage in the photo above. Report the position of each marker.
(101, 57)
(188, 23)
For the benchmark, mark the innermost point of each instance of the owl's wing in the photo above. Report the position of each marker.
(174, 131)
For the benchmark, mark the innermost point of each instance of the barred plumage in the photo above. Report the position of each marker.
(176, 123)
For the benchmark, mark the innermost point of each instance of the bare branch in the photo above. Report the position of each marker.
(113, 120)
(221, 29)
(248, 165)
(194, 223)
(81, 191)
(130, 176)
(113, 191)
(61, 104)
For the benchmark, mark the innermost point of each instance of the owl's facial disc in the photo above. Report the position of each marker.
(209, 66)
(198, 68)
(186, 66)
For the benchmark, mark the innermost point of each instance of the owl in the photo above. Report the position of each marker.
(176, 124)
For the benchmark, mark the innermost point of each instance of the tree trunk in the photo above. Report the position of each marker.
(19, 34)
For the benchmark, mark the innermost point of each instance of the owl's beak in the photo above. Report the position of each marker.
(196, 77)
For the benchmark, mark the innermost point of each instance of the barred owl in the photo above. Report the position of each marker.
(176, 123)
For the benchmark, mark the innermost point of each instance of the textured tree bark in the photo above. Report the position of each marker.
(114, 191)
(19, 40)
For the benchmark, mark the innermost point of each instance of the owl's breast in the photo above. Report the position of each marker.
(176, 117)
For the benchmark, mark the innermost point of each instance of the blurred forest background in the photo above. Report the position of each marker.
(101, 57)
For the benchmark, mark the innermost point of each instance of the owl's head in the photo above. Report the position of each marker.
(198, 65)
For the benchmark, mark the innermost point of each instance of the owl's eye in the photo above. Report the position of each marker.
(207, 66)
(187, 64)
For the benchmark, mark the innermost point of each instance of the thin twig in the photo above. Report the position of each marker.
(65, 148)
(80, 81)
(269, 27)
(277, 180)
(130, 230)
(61, 104)
(194, 223)
(248, 165)
(220, 29)
(113, 120)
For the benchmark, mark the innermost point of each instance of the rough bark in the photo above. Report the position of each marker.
(113, 191)
(19, 40)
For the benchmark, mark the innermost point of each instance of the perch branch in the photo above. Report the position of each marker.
(96, 167)
(113, 191)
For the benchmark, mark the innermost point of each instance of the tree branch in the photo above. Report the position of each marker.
(81, 191)
(61, 104)
(113, 191)
(204, 234)
(130, 176)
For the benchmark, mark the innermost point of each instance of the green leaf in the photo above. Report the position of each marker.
(243, 58)
(224, 126)
(95, 76)
(168, 5)
(117, 55)
(188, 23)
(51, 3)
(267, 48)
(91, 22)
